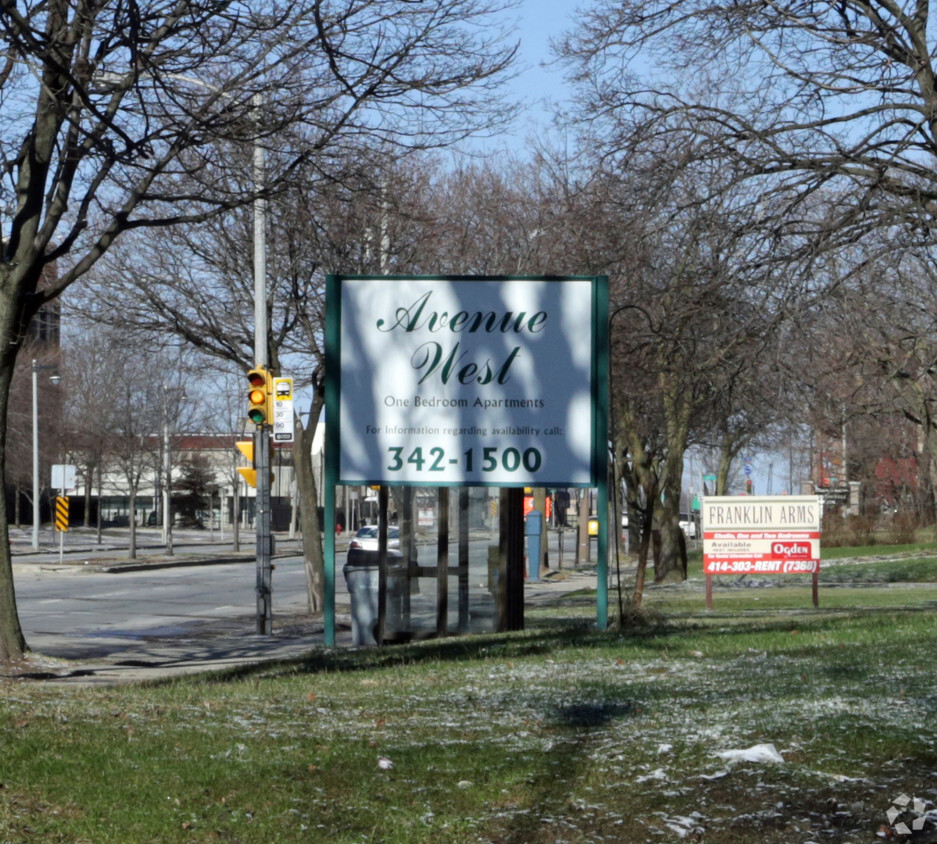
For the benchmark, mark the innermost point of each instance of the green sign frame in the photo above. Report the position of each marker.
(466, 381)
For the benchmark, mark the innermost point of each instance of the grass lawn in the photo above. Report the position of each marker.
(764, 720)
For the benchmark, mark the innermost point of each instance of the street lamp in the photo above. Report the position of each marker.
(36, 369)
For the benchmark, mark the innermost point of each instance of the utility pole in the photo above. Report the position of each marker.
(264, 532)
(262, 432)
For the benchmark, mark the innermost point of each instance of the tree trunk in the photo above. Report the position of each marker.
(12, 641)
(640, 575)
(926, 475)
(313, 557)
(98, 520)
(132, 520)
(236, 516)
(646, 530)
(89, 483)
(671, 567)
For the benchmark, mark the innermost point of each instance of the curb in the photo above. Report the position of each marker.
(149, 564)
(143, 565)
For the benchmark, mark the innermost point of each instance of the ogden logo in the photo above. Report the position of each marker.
(791, 550)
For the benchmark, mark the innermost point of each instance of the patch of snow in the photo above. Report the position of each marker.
(716, 776)
(755, 753)
(681, 825)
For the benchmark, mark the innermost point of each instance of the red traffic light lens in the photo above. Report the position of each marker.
(256, 379)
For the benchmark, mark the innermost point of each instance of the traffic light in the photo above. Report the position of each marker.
(260, 396)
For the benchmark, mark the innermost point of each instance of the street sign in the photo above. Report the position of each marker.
(283, 411)
(763, 535)
(61, 513)
(64, 476)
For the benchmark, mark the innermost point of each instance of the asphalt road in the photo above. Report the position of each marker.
(71, 611)
(170, 616)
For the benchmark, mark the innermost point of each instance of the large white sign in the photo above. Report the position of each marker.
(466, 381)
(761, 535)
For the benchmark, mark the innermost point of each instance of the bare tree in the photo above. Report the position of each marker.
(112, 112)
(868, 363)
(196, 283)
(801, 95)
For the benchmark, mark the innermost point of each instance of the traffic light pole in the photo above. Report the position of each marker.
(262, 432)
(264, 532)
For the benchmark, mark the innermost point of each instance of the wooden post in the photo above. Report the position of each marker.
(408, 549)
(382, 564)
(515, 559)
(583, 550)
(540, 503)
(463, 560)
(442, 563)
(503, 505)
(511, 561)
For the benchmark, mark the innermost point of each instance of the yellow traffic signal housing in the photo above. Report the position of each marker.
(260, 396)
(246, 447)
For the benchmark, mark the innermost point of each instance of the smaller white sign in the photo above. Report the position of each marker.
(761, 535)
(283, 410)
(64, 476)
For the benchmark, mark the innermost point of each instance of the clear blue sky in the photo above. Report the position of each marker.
(537, 22)
(541, 20)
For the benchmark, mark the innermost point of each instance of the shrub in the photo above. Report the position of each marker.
(903, 528)
(860, 530)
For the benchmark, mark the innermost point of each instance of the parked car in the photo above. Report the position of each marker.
(362, 550)
(688, 525)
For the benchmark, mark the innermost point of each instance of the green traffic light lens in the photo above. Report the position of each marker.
(256, 415)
